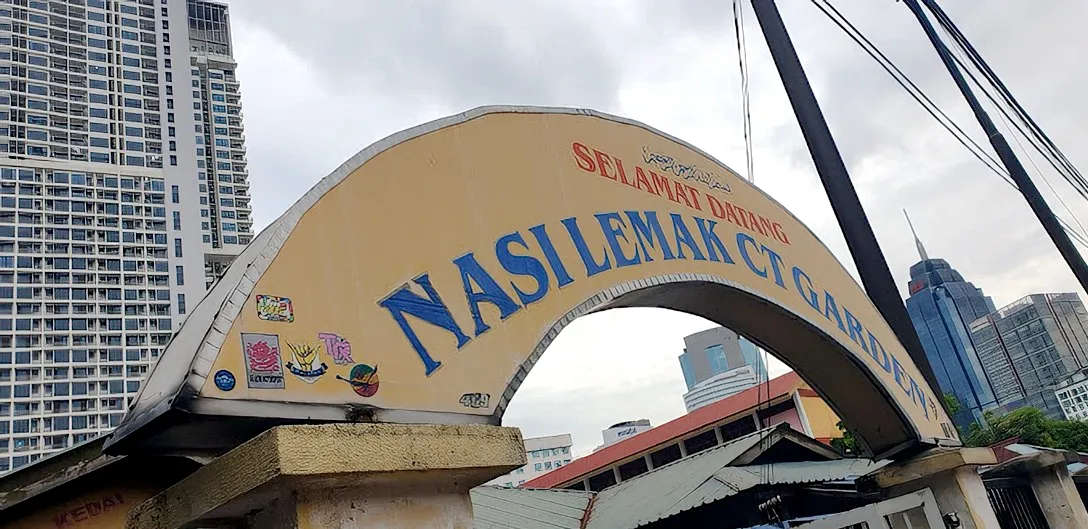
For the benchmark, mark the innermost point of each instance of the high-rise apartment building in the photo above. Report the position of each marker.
(718, 363)
(226, 222)
(1030, 345)
(542, 454)
(942, 305)
(102, 155)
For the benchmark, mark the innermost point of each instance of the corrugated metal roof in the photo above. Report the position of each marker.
(698, 419)
(504, 508)
(706, 478)
(684, 484)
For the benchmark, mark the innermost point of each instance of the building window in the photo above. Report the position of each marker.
(715, 355)
(181, 303)
(177, 248)
(175, 195)
(180, 273)
(177, 221)
(538, 467)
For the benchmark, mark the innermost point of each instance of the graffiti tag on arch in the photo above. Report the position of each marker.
(669, 164)
(475, 400)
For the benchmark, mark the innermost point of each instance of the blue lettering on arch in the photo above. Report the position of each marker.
(490, 291)
(562, 277)
(901, 377)
(522, 265)
(613, 234)
(683, 237)
(645, 231)
(917, 391)
(854, 328)
(592, 266)
(430, 309)
(711, 240)
(832, 309)
(776, 264)
(882, 358)
(805, 289)
(744, 239)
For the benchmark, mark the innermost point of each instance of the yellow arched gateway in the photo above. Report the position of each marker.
(420, 282)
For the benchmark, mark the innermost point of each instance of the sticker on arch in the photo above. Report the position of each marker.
(275, 308)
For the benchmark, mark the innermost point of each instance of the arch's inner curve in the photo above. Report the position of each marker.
(818, 358)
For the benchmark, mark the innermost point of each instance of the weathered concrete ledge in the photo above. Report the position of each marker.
(932, 462)
(279, 469)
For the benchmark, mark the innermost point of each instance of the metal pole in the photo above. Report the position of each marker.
(869, 259)
(1016, 170)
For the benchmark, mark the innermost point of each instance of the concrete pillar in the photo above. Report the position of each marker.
(340, 475)
(1048, 473)
(952, 476)
(1058, 497)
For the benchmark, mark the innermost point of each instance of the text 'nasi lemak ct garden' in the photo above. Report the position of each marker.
(423, 278)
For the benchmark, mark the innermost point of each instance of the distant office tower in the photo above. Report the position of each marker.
(942, 305)
(1072, 395)
(1030, 345)
(101, 158)
(718, 363)
(623, 431)
(226, 222)
(721, 386)
(542, 454)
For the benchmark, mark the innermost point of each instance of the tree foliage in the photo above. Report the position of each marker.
(1031, 426)
(1028, 424)
(952, 404)
(848, 443)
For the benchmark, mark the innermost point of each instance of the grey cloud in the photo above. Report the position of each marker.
(379, 67)
(460, 54)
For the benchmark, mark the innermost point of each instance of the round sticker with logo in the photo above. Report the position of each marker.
(224, 380)
(363, 380)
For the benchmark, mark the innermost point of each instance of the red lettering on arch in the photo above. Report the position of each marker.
(780, 233)
(603, 164)
(642, 183)
(694, 193)
(662, 184)
(678, 191)
(755, 222)
(584, 161)
(681, 193)
(619, 169)
(716, 207)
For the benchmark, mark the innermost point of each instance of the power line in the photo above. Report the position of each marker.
(742, 59)
(925, 101)
(1048, 148)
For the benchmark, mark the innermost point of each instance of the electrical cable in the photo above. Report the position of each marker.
(926, 102)
(746, 106)
(1036, 132)
(1009, 124)
(763, 382)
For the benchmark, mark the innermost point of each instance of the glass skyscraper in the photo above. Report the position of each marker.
(1030, 345)
(942, 305)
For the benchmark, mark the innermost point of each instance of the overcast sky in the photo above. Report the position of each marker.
(323, 79)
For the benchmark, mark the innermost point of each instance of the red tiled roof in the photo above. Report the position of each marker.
(690, 422)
